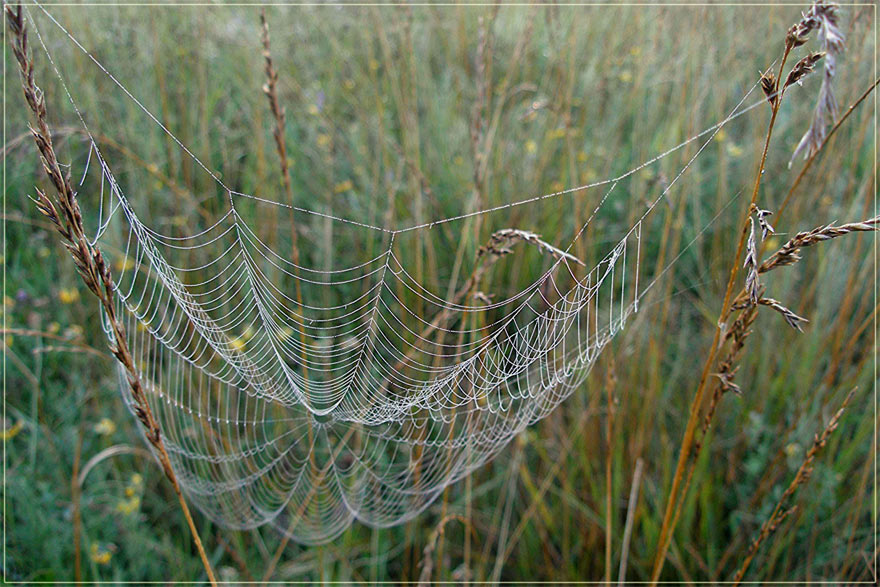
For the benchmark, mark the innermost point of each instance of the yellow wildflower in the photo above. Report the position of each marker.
(343, 186)
(531, 146)
(105, 427)
(721, 136)
(124, 263)
(625, 76)
(129, 506)
(556, 134)
(68, 296)
(237, 344)
(101, 554)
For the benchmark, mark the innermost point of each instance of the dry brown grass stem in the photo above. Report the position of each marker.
(741, 328)
(610, 385)
(780, 512)
(797, 35)
(675, 495)
(270, 88)
(64, 213)
(736, 335)
(271, 91)
(427, 562)
(630, 520)
(478, 117)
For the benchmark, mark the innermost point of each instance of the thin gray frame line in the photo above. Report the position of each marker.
(597, 3)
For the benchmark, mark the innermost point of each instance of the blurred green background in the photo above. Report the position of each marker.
(380, 101)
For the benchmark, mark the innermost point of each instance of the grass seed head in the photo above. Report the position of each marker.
(803, 68)
(768, 85)
(766, 228)
(751, 264)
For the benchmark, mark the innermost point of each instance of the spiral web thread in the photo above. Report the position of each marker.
(309, 416)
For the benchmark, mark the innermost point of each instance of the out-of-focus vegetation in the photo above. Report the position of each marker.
(379, 108)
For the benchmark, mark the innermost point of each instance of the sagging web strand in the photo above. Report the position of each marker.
(386, 418)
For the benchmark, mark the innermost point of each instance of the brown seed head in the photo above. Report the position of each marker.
(799, 33)
(768, 84)
(803, 68)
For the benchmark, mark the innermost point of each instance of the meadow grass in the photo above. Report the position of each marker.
(391, 119)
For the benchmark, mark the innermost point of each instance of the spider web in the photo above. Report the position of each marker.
(367, 394)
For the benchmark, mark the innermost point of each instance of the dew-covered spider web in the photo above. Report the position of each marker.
(306, 397)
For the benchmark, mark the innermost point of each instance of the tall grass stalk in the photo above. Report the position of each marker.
(64, 213)
(751, 296)
(279, 134)
(668, 525)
